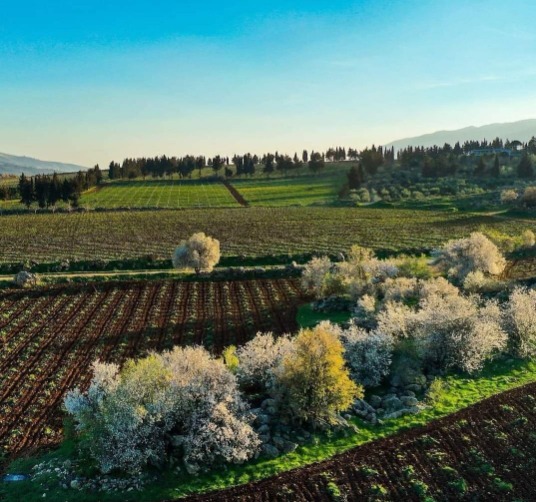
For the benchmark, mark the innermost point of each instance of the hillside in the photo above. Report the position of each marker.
(521, 130)
(12, 164)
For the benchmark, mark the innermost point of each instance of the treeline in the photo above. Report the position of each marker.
(48, 190)
(239, 165)
(480, 159)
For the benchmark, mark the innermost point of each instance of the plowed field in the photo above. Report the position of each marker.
(49, 337)
(482, 453)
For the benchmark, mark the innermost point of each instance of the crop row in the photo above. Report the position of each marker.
(49, 338)
(244, 231)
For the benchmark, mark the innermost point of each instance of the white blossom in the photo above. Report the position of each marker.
(200, 252)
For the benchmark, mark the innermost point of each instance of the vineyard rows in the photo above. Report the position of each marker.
(482, 453)
(243, 231)
(49, 338)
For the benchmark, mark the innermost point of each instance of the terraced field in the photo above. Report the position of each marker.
(49, 337)
(242, 231)
(482, 453)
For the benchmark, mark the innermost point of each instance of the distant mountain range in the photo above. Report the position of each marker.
(523, 130)
(12, 164)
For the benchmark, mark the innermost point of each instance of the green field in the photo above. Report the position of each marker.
(169, 194)
(298, 191)
(248, 232)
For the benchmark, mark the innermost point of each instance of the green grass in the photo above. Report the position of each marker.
(459, 392)
(308, 318)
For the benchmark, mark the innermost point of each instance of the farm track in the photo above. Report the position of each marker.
(236, 194)
(484, 452)
(50, 337)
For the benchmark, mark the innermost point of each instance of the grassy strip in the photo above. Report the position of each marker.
(308, 318)
(459, 392)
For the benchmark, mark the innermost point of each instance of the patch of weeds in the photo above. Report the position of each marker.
(436, 392)
(332, 488)
(334, 491)
(519, 422)
(368, 471)
(458, 485)
(502, 485)
(420, 488)
(378, 490)
(481, 465)
(506, 408)
(427, 440)
(437, 455)
(286, 493)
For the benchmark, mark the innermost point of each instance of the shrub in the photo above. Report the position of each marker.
(230, 358)
(413, 267)
(364, 195)
(365, 310)
(528, 238)
(118, 417)
(529, 197)
(508, 196)
(435, 391)
(312, 380)
(520, 322)
(25, 279)
(476, 253)
(200, 253)
(475, 282)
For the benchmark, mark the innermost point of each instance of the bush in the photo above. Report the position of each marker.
(200, 253)
(528, 238)
(508, 196)
(25, 279)
(529, 197)
(414, 267)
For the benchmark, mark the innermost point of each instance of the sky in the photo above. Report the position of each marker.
(88, 82)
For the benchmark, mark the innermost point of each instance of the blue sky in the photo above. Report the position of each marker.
(89, 82)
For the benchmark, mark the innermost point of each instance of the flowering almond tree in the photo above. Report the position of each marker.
(200, 252)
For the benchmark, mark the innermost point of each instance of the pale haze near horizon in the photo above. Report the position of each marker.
(91, 82)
